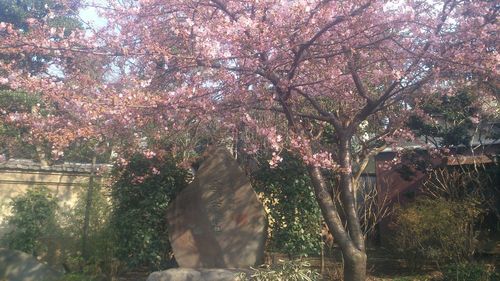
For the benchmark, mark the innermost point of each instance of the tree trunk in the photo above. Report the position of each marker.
(350, 238)
(355, 266)
(88, 207)
(354, 256)
(348, 196)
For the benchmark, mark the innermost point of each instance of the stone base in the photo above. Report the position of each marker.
(200, 274)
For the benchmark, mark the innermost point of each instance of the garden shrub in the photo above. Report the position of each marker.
(436, 230)
(297, 270)
(470, 272)
(80, 277)
(142, 190)
(469, 182)
(294, 215)
(33, 220)
(411, 278)
(72, 219)
(101, 242)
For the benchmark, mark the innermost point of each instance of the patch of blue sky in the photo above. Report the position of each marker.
(91, 17)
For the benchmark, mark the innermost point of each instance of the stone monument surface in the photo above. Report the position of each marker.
(20, 266)
(218, 220)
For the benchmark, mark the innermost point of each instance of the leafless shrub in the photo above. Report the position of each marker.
(463, 182)
(373, 206)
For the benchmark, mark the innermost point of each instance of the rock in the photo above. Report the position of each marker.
(19, 266)
(217, 221)
(190, 274)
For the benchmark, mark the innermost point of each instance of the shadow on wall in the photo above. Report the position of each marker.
(65, 185)
(19, 266)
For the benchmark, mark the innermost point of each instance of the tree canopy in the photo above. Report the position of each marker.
(287, 73)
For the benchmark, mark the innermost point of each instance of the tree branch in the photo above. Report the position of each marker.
(303, 47)
(361, 89)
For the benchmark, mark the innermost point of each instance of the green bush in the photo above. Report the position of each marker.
(294, 215)
(410, 278)
(285, 271)
(78, 277)
(469, 272)
(140, 196)
(33, 220)
(101, 242)
(436, 230)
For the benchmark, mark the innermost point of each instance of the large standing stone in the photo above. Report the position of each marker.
(20, 266)
(217, 221)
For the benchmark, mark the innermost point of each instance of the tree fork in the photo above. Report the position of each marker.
(349, 194)
(354, 257)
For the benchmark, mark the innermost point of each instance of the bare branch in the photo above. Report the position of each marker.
(303, 47)
(360, 87)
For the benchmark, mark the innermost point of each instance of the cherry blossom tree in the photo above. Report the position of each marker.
(297, 70)
(332, 81)
(17, 104)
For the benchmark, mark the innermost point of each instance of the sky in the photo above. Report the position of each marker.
(89, 16)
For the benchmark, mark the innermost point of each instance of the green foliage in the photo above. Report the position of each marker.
(436, 230)
(11, 137)
(83, 149)
(411, 278)
(454, 113)
(99, 212)
(15, 101)
(444, 226)
(43, 229)
(54, 13)
(33, 219)
(78, 277)
(18, 11)
(294, 215)
(413, 161)
(470, 272)
(101, 242)
(477, 184)
(140, 198)
(285, 271)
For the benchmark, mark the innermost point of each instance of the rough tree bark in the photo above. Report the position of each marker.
(351, 239)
